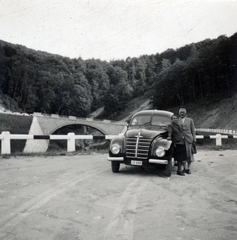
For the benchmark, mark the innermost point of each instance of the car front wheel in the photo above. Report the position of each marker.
(115, 166)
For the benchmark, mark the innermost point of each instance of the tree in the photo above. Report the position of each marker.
(99, 83)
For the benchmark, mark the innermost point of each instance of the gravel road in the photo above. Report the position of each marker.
(79, 198)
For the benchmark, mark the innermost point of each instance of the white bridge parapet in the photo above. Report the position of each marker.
(45, 124)
(49, 123)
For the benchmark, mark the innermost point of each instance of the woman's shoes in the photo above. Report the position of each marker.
(180, 173)
(187, 171)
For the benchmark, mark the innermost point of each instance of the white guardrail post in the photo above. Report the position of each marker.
(218, 140)
(6, 143)
(71, 142)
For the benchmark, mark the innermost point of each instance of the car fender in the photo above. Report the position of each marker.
(161, 142)
(118, 140)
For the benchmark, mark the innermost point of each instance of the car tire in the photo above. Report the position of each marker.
(168, 168)
(115, 166)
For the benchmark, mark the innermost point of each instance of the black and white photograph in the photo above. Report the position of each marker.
(118, 120)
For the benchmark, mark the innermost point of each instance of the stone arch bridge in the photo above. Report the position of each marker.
(43, 124)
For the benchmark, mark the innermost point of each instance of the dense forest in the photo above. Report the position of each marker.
(35, 81)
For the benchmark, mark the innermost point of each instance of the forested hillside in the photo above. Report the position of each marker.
(34, 81)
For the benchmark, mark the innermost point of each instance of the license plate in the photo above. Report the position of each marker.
(138, 163)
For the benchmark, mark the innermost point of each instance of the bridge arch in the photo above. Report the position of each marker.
(48, 124)
(79, 124)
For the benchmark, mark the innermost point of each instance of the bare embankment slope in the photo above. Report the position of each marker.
(222, 114)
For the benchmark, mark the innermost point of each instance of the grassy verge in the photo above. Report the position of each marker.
(58, 153)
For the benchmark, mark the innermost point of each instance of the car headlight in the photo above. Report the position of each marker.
(115, 149)
(160, 152)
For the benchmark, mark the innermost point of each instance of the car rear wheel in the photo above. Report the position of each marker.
(168, 168)
(115, 166)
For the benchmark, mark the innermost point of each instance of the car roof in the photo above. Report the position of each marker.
(154, 112)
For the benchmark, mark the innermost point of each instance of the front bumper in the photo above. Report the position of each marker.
(117, 159)
(156, 161)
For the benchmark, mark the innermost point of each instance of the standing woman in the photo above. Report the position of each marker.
(179, 145)
(189, 134)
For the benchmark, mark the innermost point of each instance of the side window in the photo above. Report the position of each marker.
(145, 119)
(157, 120)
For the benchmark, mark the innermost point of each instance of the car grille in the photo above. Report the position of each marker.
(137, 147)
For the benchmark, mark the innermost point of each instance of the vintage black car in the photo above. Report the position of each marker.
(144, 143)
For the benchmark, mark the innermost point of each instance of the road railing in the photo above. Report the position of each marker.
(71, 138)
(218, 137)
(216, 131)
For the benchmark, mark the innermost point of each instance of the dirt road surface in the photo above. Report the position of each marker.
(79, 198)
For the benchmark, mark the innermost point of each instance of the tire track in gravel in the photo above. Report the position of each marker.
(9, 221)
(122, 221)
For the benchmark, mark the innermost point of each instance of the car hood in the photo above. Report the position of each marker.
(146, 133)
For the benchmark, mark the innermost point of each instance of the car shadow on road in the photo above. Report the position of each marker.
(144, 171)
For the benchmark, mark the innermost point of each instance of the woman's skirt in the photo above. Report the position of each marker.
(190, 157)
(180, 153)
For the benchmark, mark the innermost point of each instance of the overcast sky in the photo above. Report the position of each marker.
(114, 29)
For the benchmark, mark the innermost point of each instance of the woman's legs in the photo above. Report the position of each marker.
(187, 167)
(180, 166)
(180, 155)
(180, 172)
(189, 157)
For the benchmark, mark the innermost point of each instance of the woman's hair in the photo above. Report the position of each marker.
(173, 116)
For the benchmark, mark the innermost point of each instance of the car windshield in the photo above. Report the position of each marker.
(156, 120)
(141, 120)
